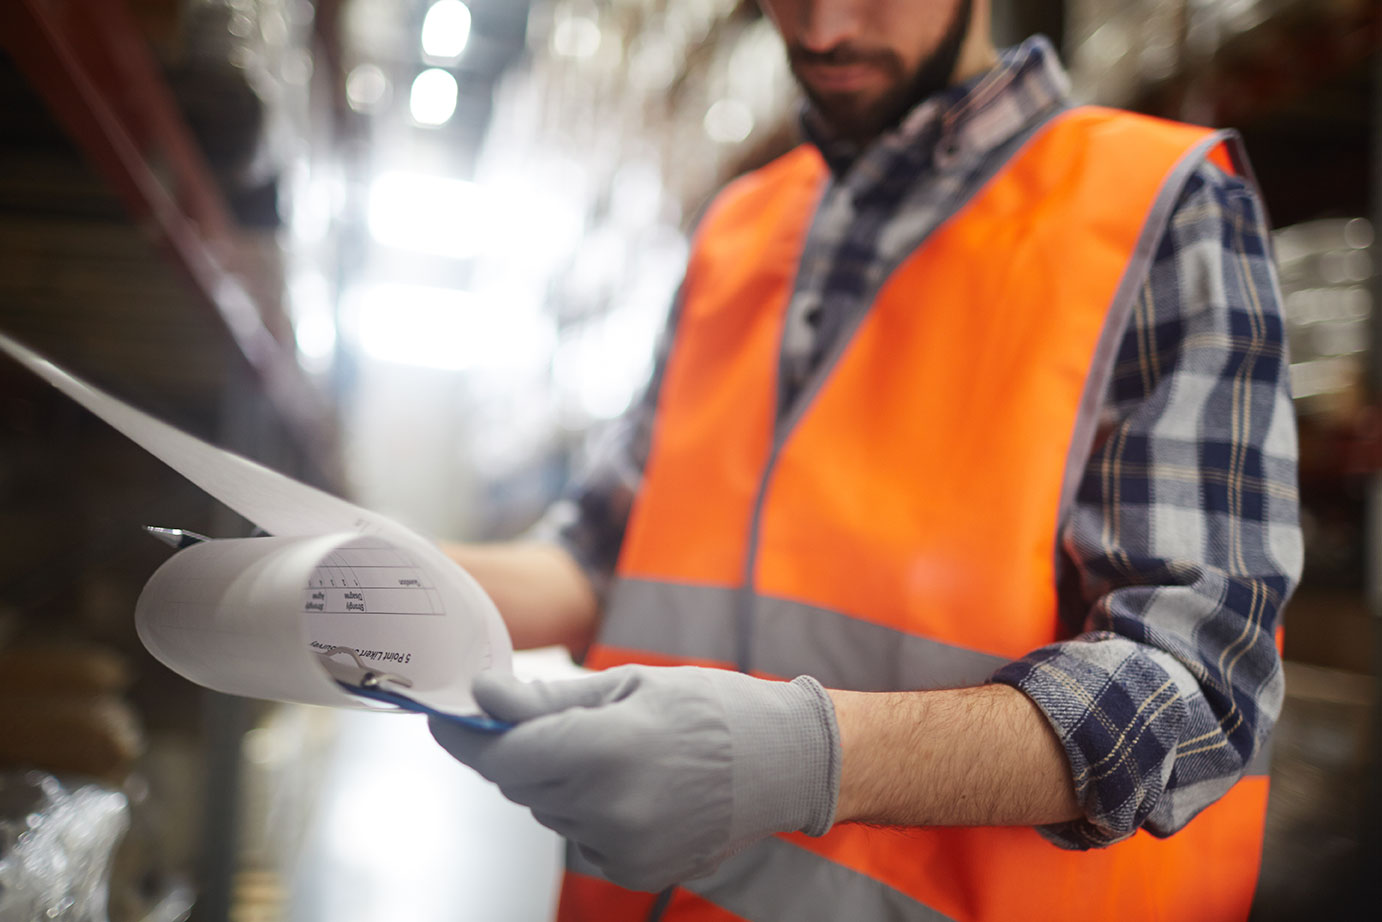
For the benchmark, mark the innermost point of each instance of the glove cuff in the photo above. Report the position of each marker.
(786, 759)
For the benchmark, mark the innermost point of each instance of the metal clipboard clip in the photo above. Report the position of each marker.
(366, 682)
(179, 538)
(176, 538)
(359, 675)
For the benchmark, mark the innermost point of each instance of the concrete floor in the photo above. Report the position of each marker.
(403, 831)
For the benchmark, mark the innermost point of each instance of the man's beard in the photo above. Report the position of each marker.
(857, 122)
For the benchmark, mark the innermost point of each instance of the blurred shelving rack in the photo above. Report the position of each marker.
(94, 70)
(120, 259)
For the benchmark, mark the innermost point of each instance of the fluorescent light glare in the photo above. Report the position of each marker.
(315, 334)
(425, 214)
(447, 329)
(314, 320)
(446, 29)
(366, 88)
(433, 99)
(728, 121)
(576, 37)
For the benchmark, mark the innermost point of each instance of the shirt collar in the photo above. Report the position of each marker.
(968, 119)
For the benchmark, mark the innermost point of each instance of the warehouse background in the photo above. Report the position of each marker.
(419, 254)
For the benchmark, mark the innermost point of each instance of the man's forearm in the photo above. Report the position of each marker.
(966, 757)
(539, 590)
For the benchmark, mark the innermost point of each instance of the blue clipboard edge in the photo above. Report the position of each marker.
(477, 722)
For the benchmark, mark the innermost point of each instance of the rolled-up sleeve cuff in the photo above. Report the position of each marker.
(1118, 714)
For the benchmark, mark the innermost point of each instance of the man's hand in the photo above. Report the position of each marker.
(659, 774)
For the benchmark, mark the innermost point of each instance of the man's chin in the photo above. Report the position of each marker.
(852, 116)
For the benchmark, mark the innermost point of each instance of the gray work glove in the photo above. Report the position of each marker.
(657, 773)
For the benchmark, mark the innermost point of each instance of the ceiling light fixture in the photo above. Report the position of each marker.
(433, 98)
(446, 30)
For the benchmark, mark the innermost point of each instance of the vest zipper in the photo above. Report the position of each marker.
(784, 421)
(744, 610)
(659, 907)
(788, 417)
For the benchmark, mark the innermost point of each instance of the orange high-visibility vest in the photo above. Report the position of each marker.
(897, 529)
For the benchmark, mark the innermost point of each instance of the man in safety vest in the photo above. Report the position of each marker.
(974, 419)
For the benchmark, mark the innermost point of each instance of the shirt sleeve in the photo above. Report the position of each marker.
(589, 519)
(1183, 543)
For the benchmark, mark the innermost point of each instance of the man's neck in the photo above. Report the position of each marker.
(975, 61)
(978, 53)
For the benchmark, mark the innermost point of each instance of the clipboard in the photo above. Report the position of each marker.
(356, 677)
(364, 682)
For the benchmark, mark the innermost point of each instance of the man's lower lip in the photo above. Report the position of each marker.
(837, 77)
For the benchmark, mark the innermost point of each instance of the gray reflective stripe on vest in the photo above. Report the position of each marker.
(774, 879)
(789, 639)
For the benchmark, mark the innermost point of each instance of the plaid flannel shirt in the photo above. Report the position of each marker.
(1183, 544)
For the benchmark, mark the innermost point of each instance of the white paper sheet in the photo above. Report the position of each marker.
(234, 615)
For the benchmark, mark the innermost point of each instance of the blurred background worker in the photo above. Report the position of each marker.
(974, 416)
